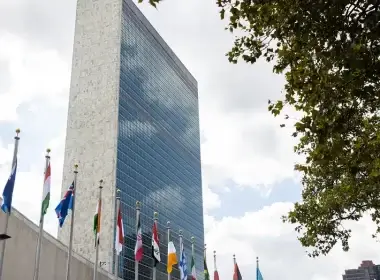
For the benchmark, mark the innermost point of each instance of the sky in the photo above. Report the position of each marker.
(247, 159)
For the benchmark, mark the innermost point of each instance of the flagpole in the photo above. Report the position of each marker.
(70, 249)
(168, 228)
(180, 250)
(215, 261)
(205, 257)
(116, 219)
(192, 245)
(96, 236)
(257, 262)
(41, 232)
(154, 271)
(257, 268)
(137, 219)
(192, 255)
(15, 151)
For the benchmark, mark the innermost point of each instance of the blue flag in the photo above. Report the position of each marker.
(6, 205)
(65, 204)
(258, 274)
(182, 263)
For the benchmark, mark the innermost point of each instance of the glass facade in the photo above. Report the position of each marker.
(158, 156)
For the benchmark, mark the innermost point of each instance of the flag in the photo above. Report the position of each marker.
(237, 274)
(6, 204)
(258, 274)
(139, 244)
(207, 275)
(216, 275)
(155, 245)
(119, 239)
(182, 262)
(65, 204)
(46, 191)
(193, 271)
(172, 257)
(97, 221)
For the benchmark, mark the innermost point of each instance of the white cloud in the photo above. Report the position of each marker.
(33, 73)
(5, 154)
(263, 234)
(248, 148)
(211, 200)
(27, 194)
(241, 141)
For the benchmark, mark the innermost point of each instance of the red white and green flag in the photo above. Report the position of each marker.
(46, 190)
(193, 271)
(139, 244)
(119, 240)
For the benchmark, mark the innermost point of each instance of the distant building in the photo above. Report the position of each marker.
(366, 271)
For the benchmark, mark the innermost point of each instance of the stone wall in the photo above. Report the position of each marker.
(21, 249)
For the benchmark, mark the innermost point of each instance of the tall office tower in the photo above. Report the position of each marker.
(133, 121)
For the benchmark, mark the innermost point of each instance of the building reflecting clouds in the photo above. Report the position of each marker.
(158, 148)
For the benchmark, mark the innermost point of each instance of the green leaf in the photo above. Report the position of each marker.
(328, 53)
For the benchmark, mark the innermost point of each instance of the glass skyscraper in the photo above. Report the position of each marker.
(133, 121)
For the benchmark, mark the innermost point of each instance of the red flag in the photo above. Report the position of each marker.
(216, 275)
(139, 245)
(237, 274)
(155, 245)
(119, 240)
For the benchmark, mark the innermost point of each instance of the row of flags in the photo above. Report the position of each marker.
(68, 203)
(155, 253)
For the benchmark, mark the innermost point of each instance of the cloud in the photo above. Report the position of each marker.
(241, 140)
(6, 153)
(250, 149)
(27, 194)
(46, 24)
(32, 73)
(242, 144)
(263, 234)
(211, 199)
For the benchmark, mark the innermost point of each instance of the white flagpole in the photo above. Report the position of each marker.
(117, 220)
(180, 251)
(155, 221)
(137, 219)
(70, 249)
(41, 232)
(96, 236)
(215, 261)
(15, 151)
(257, 268)
(192, 256)
(168, 228)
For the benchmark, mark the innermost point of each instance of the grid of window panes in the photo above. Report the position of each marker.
(158, 160)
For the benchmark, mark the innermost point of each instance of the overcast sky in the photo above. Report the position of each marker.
(247, 158)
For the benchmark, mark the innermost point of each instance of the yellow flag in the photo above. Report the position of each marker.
(172, 256)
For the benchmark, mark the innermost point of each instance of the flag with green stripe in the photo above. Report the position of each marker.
(46, 190)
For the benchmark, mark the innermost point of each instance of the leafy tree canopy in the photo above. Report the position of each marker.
(329, 51)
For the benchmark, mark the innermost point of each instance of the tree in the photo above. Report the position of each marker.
(329, 51)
